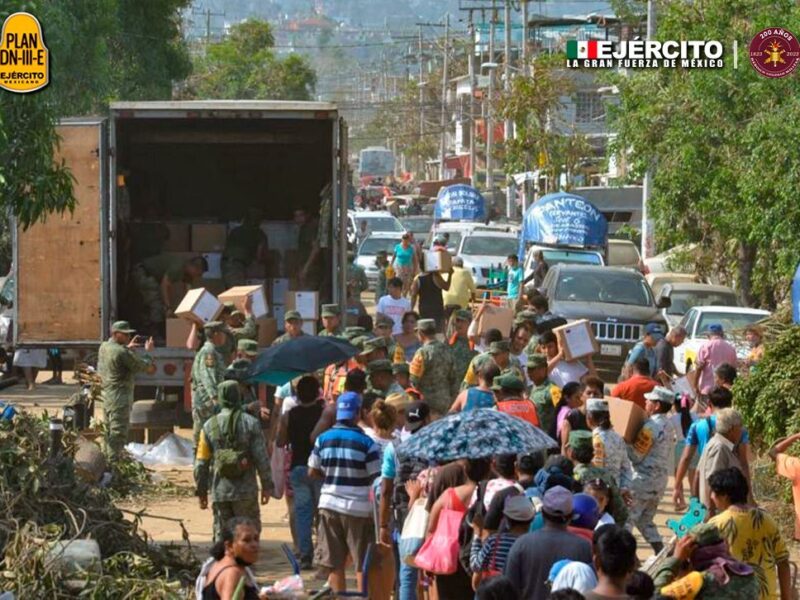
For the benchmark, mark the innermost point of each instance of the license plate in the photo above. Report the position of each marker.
(610, 350)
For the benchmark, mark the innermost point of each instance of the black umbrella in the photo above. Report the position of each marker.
(298, 356)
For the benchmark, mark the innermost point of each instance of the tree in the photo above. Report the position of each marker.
(722, 144)
(244, 66)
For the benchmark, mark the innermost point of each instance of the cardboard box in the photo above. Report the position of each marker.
(304, 302)
(209, 237)
(238, 294)
(178, 332)
(438, 260)
(576, 339)
(267, 331)
(496, 317)
(310, 327)
(280, 287)
(627, 417)
(214, 260)
(178, 238)
(199, 305)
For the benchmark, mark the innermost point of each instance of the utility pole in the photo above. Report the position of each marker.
(421, 91)
(524, 47)
(509, 125)
(490, 98)
(648, 175)
(208, 14)
(445, 82)
(473, 83)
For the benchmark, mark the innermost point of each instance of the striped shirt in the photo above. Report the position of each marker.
(350, 460)
(491, 555)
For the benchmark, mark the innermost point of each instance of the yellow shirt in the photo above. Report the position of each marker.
(754, 538)
(462, 287)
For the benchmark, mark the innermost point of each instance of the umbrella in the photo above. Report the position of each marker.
(460, 203)
(298, 356)
(478, 433)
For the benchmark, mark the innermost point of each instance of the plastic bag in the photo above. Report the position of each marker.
(287, 588)
(170, 449)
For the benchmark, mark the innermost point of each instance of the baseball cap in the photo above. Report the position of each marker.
(519, 508)
(330, 310)
(536, 360)
(557, 502)
(348, 406)
(249, 347)
(416, 413)
(499, 347)
(597, 405)
(426, 326)
(654, 329)
(661, 394)
(400, 369)
(509, 381)
(716, 329)
(212, 327)
(586, 511)
(379, 366)
(122, 327)
(464, 314)
(292, 315)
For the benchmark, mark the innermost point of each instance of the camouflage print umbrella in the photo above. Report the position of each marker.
(476, 433)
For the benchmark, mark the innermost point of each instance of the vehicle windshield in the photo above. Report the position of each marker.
(684, 300)
(730, 321)
(380, 223)
(612, 288)
(417, 225)
(489, 246)
(455, 239)
(371, 246)
(571, 257)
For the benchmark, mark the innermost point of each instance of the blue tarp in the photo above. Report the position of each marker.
(565, 220)
(460, 202)
(796, 297)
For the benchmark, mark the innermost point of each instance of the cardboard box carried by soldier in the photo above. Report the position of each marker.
(238, 294)
(199, 305)
(627, 417)
(576, 339)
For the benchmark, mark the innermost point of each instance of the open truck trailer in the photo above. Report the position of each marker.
(179, 164)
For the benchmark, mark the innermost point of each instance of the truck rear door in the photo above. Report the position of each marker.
(61, 265)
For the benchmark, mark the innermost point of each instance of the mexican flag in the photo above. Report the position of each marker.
(580, 50)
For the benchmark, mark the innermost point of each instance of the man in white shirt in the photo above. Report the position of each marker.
(393, 305)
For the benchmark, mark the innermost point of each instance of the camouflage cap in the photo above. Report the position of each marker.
(249, 347)
(525, 316)
(374, 343)
(401, 369)
(426, 326)
(122, 327)
(536, 360)
(379, 366)
(580, 440)
(464, 314)
(508, 381)
(382, 320)
(358, 342)
(330, 310)
(705, 534)
(499, 347)
(237, 313)
(292, 315)
(238, 370)
(350, 333)
(213, 327)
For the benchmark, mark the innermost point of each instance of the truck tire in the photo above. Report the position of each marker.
(149, 413)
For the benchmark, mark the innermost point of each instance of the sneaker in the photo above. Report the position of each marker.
(306, 564)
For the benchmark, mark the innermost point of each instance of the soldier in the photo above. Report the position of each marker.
(356, 283)
(381, 378)
(432, 369)
(374, 348)
(498, 351)
(510, 393)
(234, 443)
(610, 450)
(247, 349)
(207, 373)
(382, 327)
(401, 374)
(580, 450)
(382, 262)
(154, 277)
(649, 455)
(460, 345)
(544, 394)
(117, 365)
(245, 244)
(331, 321)
(293, 323)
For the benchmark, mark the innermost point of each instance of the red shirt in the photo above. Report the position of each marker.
(634, 389)
(521, 408)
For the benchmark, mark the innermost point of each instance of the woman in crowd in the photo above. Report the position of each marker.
(571, 395)
(407, 341)
(378, 419)
(599, 490)
(404, 261)
(226, 575)
(593, 387)
(480, 396)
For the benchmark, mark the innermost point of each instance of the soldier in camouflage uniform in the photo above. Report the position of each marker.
(117, 365)
(544, 393)
(402, 374)
(499, 352)
(331, 321)
(580, 450)
(207, 373)
(679, 576)
(432, 369)
(650, 455)
(293, 324)
(460, 345)
(232, 497)
(381, 379)
(356, 279)
(382, 327)
(610, 450)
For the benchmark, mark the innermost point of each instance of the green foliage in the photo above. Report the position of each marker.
(723, 147)
(244, 66)
(629, 232)
(769, 398)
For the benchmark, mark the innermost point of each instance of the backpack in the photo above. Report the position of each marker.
(229, 462)
(466, 532)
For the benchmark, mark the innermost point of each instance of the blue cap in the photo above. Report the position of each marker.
(654, 329)
(556, 569)
(348, 406)
(586, 511)
(716, 329)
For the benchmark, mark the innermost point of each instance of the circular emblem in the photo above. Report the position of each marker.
(774, 52)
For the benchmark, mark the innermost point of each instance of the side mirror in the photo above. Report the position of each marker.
(664, 302)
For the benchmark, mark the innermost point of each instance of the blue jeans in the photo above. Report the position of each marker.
(306, 499)
(407, 576)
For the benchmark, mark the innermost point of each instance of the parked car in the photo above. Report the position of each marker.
(368, 250)
(734, 319)
(484, 250)
(659, 280)
(455, 229)
(624, 253)
(558, 256)
(420, 225)
(684, 296)
(617, 302)
(377, 221)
